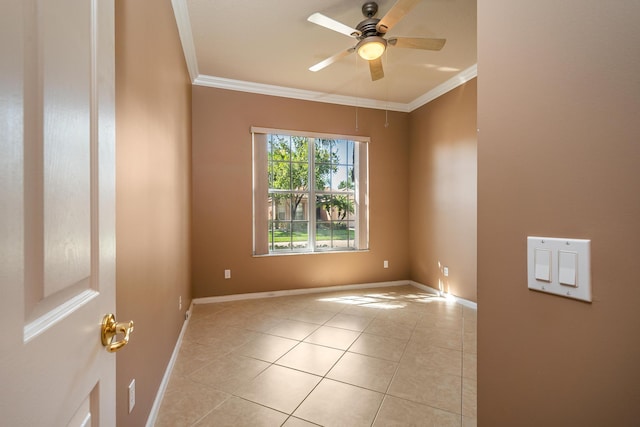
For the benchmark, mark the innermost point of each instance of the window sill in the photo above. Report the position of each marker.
(277, 254)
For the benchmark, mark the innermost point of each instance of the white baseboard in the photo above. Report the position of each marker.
(153, 414)
(272, 294)
(459, 300)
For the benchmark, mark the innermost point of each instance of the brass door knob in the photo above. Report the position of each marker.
(111, 328)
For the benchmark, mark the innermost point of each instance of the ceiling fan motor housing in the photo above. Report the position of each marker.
(367, 28)
(369, 9)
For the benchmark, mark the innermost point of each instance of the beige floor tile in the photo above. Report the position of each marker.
(470, 366)
(293, 329)
(266, 347)
(185, 402)
(311, 358)
(348, 321)
(364, 371)
(333, 403)
(470, 326)
(312, 316)
(470, 313)
(387, 348)
(327, 303)
(297, 422)
(242, 362)
(432, 358)
(237, 412)
(279, 388)
(444, 338)
(228, 373)
(228, 337)
(389, 328)
(470, 342)
(400, 412)
(259, 322)
(401, 315)
(364, 310)
(441, 322)
(333, 337)
(469, 422)
(431, 388)
(193, 356)
(200, 311)
(469, 398)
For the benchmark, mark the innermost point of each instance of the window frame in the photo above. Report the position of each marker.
(261, 244)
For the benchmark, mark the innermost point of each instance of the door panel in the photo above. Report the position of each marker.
(57, 168)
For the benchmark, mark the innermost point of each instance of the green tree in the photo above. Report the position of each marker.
(289, 166)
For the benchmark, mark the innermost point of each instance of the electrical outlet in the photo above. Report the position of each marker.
(446, 271)
(180, 303)
(386, 264)
(227, 274)
(132, 395)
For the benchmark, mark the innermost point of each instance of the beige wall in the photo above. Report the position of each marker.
(558, 155)
(443, 189)
(222, 194)
(153, 119)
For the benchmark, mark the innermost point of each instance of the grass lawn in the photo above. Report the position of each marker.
(284, 236)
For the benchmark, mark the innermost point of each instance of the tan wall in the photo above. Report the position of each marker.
(558, 155)
(153, 119)
(222, 195)
(443, 189)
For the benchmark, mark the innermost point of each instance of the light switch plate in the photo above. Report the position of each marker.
(570, 263)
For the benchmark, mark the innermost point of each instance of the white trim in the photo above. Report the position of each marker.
(258, 295)
(306, 95)
(459, 300)
(273, 294)
(309, 134)
(181, 12)
(155, 409)
(50, 318)
(445, 87)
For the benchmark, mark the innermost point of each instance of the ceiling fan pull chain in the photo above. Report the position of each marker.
(386, 118)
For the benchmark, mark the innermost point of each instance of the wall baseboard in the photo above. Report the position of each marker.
(155, 409)
(459, 300)
(272, 294)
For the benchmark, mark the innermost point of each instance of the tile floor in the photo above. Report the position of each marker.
(375, 357)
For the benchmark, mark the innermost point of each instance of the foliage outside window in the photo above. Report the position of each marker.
(315, 189)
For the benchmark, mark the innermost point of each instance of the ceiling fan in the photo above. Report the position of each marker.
(370, 35)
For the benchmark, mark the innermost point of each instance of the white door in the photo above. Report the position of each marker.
(57, 209)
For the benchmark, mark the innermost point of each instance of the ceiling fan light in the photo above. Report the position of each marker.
(371, 47)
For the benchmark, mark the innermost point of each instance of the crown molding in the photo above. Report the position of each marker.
(181, 12)
(307, 95)
(458, 80)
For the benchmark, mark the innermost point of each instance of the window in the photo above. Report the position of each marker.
(310, 192)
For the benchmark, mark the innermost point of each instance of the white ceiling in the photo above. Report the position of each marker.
(267, 47)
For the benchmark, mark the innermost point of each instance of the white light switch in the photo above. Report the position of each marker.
(567, 266)
(559, 266)
(543, 265)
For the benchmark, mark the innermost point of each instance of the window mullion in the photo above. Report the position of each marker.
(312, 195)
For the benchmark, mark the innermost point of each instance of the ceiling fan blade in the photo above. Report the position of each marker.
(332, 24)
(375, 67)
(395, 14)
(417, 43)
(338, 56)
